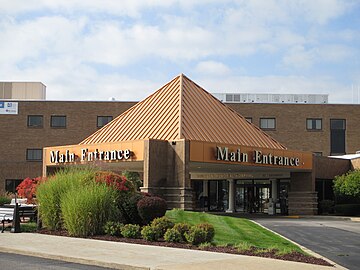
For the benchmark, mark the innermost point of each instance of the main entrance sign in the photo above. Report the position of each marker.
(258, 157)
(86, 155)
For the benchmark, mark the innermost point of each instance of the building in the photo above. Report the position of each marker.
(22, 90)
(325, 129)
(38, 124)
(272, 98)
(299, 127)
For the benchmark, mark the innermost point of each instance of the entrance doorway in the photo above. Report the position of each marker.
(252, 196)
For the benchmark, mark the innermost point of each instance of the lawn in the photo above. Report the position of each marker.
(235, 231)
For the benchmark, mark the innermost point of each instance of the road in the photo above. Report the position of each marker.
(338, 240)
(9, 261)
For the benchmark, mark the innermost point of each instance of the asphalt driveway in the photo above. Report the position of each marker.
(338, 240)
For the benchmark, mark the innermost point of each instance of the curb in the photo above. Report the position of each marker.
(73, 259)
(313, 253)
(354, 219)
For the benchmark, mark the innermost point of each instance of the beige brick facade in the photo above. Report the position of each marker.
(16, 136)
(81, 118)
(291, 124)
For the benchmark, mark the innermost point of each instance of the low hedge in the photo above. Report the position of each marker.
(131, 231)
(150, 233)
(163, 224)
(347, 209)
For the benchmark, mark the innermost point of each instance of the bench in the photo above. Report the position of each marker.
(7, 213)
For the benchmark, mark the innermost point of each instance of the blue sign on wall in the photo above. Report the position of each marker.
(8, 107)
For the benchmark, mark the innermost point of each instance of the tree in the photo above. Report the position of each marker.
(348, 184)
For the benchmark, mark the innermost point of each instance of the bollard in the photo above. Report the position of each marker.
(16, 220)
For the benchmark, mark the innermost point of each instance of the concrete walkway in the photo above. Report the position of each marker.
(130, 256)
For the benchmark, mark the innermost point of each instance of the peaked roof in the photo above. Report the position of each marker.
(183, 110)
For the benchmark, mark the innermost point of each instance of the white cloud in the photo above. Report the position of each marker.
(72, 45)
(300, 57)
(212, 68)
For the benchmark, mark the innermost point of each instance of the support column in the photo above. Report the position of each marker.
(205, 188)
(231, 196)
(274, 189)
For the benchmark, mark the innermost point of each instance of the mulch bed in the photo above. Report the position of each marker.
(294, 256)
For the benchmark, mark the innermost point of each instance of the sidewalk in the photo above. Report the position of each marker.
(130, 256)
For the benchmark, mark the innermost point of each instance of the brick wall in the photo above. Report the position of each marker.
(16, 136)
(291, 124)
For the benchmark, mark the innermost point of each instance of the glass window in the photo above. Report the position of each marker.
(11, 185)
(103, 120)
(35, 121)
(267, 123)
(249, 119)
(34, 154)
(58, 121)
(229, 97)
(318, 154)
(314, 124)
(337, 136)
(338, 124)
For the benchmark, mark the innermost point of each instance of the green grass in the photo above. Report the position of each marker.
(238, 232)
(28, 227)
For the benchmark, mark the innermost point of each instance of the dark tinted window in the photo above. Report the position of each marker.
(58, 121)
(11, 184)
(35, 121)
(34, 154)
(267, 123)
(338, 124)
(337, 136)
(103, 120)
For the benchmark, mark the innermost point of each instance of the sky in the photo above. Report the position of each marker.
(103, 49)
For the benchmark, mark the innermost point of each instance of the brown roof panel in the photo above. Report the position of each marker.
(183, 110)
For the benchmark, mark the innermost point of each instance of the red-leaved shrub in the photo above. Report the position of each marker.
(151, 207)
(27, 188)
(114, 180)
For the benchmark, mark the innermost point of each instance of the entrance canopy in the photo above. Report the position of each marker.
(181, 134)
(182, 111)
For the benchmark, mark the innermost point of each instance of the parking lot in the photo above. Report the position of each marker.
(338, 240)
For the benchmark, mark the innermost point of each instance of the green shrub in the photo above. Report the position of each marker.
(5, 198)
(209, 230)
(196, 236)
(182, 228)
(113, 228)
(128, 208)
(131, 231)
(86, 210)
(150, 208)
(163, 224)
(134, 178)
(150, 233)
(348, 184)
(347, 209)
(172, 235)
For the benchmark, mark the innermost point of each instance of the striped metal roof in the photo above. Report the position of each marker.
(183, 110)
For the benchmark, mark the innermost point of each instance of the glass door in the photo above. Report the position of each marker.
(239, 198)
(218, 195)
